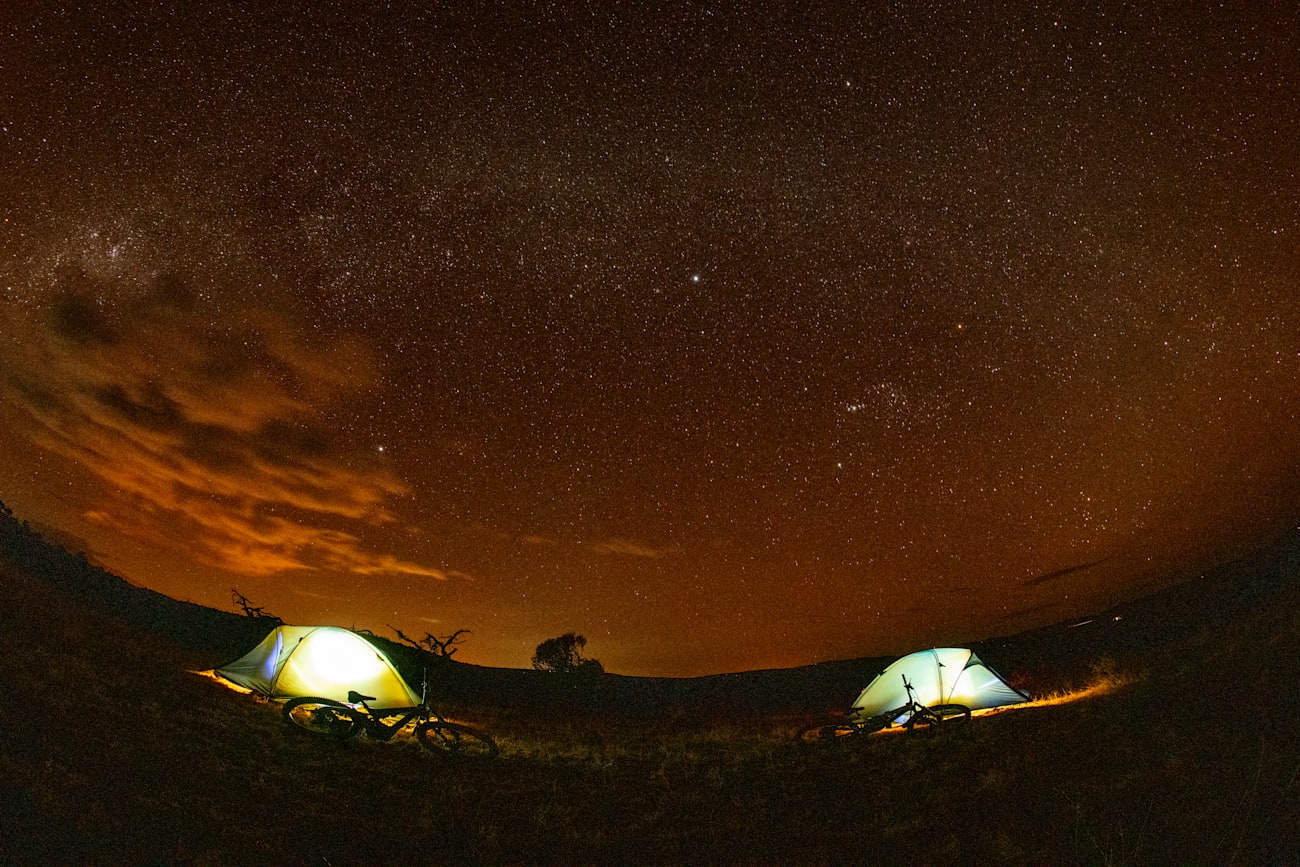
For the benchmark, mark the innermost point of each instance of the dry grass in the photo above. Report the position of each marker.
(115, 754)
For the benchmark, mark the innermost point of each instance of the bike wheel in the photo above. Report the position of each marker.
(455, 741)
(929, 718)
(922, 719)
(322, 716)
(951, 713)
(826, 733)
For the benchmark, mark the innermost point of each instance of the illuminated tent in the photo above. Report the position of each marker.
(320, 661)
(944, 675)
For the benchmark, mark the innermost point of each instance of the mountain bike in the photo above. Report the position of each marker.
(918, 716)
(342, 720)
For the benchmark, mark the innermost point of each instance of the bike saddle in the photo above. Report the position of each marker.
(355, 697)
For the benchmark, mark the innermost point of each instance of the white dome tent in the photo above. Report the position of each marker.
(322, 661)
(943, 675)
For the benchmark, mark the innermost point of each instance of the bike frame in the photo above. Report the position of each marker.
(380, 730)
(374, 720)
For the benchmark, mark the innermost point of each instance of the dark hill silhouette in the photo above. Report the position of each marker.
(1038, 660)
(206, 633)
(115, 754)
(1229, 592)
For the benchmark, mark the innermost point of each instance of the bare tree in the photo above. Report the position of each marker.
(440, 647)
(250, 611)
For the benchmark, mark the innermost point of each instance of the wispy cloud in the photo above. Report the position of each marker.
(212, 429)
(1062, 573)
(630, 548)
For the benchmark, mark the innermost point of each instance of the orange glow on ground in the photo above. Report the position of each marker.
(1102, 687)
(1105, 686)
(212, 675)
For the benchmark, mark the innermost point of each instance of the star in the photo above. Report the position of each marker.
(442, 302)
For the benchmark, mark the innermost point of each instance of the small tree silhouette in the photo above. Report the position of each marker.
(563, 655)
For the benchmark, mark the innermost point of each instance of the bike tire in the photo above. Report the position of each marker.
(922, 720)
(454, 740)
(322, 717)
(951, 713)
(826, 733)
(931, 718)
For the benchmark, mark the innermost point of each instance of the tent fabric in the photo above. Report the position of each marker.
(323, 661)
(943, 675)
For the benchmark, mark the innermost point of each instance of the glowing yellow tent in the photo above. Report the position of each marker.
(943, 675)
(320, 661)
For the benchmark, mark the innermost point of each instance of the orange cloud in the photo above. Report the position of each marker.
(212, 429)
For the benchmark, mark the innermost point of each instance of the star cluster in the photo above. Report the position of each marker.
(729, 337)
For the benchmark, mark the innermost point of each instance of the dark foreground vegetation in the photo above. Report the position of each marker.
(114, 752)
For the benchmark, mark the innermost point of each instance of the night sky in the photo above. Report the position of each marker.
(731, 336)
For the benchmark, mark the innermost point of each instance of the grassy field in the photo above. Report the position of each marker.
(114, 752)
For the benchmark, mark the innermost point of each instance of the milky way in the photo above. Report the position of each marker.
(729, 338)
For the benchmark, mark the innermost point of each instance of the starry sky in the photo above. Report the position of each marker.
(731, 336)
